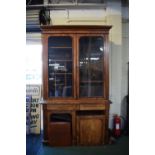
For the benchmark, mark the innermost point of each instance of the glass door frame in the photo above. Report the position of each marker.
(105, 63)
(45, 65)
(75, 66)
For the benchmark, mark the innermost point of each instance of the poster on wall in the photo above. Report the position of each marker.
(28, 113)
(35, 111)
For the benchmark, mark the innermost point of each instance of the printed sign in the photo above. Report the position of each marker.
(28, 113)
(35, 92)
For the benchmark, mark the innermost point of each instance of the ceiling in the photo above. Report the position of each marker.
(30, 4)
(76, 1)
(34, 2)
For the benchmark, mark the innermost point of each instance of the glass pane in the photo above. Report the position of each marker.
(91, 66)
(60, 66)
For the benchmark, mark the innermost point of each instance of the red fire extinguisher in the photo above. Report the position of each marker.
(117, 126)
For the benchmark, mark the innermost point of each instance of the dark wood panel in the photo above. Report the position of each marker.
(75, 101)
(74, 29)
(106, 67)
(92, 107)
(60, 134)
(61, 107)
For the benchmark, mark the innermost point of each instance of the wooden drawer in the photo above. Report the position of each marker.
(92, 107)
(61, 107)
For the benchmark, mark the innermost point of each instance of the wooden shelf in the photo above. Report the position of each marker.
(60, 47)
(62, 73)
(62, 60)
(57, 84)
(91, 81)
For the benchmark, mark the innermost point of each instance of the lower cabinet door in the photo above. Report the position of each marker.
(60, 134)
(91, 130)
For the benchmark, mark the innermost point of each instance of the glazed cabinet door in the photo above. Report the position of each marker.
(90, 66)
(60, 73)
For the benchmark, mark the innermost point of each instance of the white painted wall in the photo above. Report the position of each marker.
(125, 59)
(114, 18)
(78, 17)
